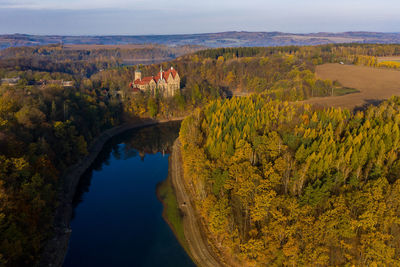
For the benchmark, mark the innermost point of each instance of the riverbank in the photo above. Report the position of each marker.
(56, 248)
(171, 214)
(200, 250)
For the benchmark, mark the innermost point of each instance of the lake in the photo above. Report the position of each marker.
(117, 218)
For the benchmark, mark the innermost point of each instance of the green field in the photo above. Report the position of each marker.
(344, 91)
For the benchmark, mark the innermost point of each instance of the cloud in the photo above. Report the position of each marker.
(117, 21)
(14, 3)
(70, 4)
(183, 16)
(344, 7)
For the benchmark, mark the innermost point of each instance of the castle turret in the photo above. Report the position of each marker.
(138, 74)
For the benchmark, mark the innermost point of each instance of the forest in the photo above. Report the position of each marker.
(86, 60)
(279, 183)
(42, 132)
(46, 128)
(286, 73)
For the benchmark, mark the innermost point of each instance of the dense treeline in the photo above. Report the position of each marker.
(91, 52)
(285, 73)
(44, 128)
(84, 68)
(282, 76)
(29, 77)
(42, 131)
(389, 64)
(358, 54)
(328, 52)
(86, 60)
(283, 184)
(235, 52)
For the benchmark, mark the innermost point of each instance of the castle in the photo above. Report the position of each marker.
(166, 82)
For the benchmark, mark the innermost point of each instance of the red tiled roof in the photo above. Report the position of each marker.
(165, 75)
(156, 78)
(145, 80)
(172, 71)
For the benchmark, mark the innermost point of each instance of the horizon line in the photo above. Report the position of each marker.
(202, 33)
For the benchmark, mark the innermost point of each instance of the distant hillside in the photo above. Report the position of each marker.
(122, 54)
(224, 39)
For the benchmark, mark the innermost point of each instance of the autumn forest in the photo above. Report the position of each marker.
(275, 182)
(283, 184)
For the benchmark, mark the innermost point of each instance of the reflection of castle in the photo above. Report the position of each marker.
(167, 82)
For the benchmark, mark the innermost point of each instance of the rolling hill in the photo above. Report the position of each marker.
(223, 39)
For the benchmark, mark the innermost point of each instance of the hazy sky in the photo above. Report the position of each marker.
(96, 17)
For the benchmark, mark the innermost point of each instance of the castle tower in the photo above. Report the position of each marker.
(138, 74)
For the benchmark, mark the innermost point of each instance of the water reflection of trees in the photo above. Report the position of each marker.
(149, 140)
(137, 142)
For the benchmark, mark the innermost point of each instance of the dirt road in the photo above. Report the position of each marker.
(374, 85)
(201, 252)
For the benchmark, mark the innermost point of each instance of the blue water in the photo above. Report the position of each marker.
(118, 221)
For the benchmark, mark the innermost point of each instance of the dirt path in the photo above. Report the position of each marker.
(201, 252)
(374, 85)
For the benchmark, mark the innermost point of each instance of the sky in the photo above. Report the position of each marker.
(147, 17)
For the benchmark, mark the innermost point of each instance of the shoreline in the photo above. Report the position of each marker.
(165, 217)
(56, 247)
(201, 252)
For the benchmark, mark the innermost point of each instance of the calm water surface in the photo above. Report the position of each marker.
(117, 219)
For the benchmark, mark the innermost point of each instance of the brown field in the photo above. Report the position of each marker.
(393, 58)
(374, 85)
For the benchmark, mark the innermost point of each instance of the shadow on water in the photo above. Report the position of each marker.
(138, 142)
(117, 219)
